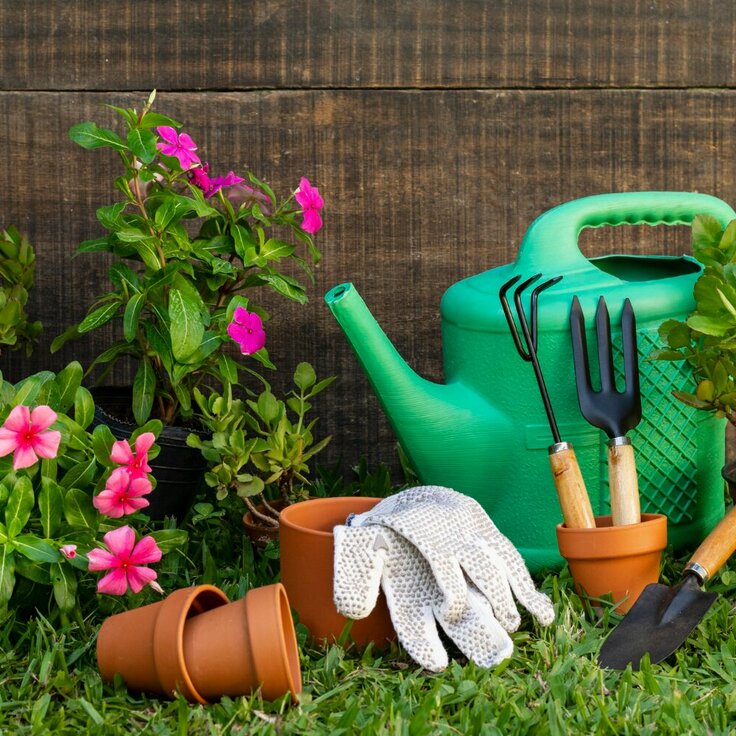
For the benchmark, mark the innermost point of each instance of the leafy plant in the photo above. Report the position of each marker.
(706, 340)
(17, 273)
(48, 521)
(260, 442)
(188, 247)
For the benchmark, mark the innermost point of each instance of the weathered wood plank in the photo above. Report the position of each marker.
(421, 189)
(189, 44)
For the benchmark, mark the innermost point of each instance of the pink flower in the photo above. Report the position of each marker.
(179, 145)
(24, 435)
(69, 551)
(136, 465)
(311, 203)
(210, 186)
(122, 494)
(125, 560)
(242, 194)
(247, 330)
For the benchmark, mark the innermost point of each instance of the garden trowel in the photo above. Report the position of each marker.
(663, 616)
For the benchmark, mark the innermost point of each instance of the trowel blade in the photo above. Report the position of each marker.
(659, 621)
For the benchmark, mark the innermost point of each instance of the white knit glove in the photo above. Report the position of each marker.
(436, 554)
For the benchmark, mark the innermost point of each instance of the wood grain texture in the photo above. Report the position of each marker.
(242, 44)
(422, 188)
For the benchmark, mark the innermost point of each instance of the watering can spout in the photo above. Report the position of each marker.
(433, 422)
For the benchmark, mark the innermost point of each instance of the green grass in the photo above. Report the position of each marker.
(552, 685)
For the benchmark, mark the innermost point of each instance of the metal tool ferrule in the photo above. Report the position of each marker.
(698, 570)
(619, 441)
(559, 447)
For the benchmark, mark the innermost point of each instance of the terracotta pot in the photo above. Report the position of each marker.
(259, 533)
(307, 551)
(616, 560)
(198, 642)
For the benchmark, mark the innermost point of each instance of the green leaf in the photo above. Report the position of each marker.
(187, 328)
(304, 376)
(243, 241)
(35, 549)
(275, 250)
(50, 506)
(64, 580)
(268, 406)
(132, 315)
(60, 340)
(32, 571)
(97, 245)
(79, 511)
(102, 442)
(19, 506)
(81, 474)
(227, 368)
(7, 574)
(707, 325)
(144, 389)
(142, 142)
(170, 539)
(285, 286)
(29, 389)
(109, 217)
(68, 380)
(84, 407)
(154, 119)
(98, 317)
(89, 136)
(120, 274)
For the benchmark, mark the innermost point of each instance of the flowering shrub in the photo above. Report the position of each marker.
(62, 487)
(189, 247)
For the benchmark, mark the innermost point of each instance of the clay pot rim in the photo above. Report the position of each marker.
(296, 508)
(168, 638)
(613, 542)
(281, 624)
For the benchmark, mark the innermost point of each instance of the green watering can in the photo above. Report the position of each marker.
(484, 432)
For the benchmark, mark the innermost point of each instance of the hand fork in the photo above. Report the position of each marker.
(576, 509)
(615, 412)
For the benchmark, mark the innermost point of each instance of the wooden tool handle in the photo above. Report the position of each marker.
(716, 548)
(623, 483)
(576, 508)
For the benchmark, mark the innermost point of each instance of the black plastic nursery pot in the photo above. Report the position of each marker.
(178, 469)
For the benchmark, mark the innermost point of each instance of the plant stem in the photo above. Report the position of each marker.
(267, 520)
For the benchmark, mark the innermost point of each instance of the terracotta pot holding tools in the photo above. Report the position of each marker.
(619, 561)
(198, 642)
(307, 551)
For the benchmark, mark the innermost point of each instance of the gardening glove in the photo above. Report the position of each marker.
(419, 546)
(371, 556)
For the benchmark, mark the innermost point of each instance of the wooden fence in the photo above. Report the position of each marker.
(437, 130)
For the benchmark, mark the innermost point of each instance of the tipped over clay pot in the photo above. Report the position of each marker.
(619, 561)
(198, 642)
(307, 552)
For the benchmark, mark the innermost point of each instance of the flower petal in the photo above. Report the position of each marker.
(24, 457)
(144, 442)
(185, 141)
(131, 505)
(8, 442)
(46, 444)
(68, 550)
(120, 541)
(42, 417)
(109, 503)
(114, 583)
(240, 315)
(168, 134)
(239, 333)
(121, 453)
(139, 487)
(312, 222)
(145, 551)
(139, 577)
(100, 559)
(19, 419)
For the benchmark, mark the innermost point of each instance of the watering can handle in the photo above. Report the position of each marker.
(550, 245)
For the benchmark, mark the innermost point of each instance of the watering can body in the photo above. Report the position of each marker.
(485, 433)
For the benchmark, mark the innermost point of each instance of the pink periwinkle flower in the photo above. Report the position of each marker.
(136, 464)
(27, 435)
(68, 550)
(247, 330)
(126, 561)
(179, 145)
(123, 494)
(311, 203)
(200, 177)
